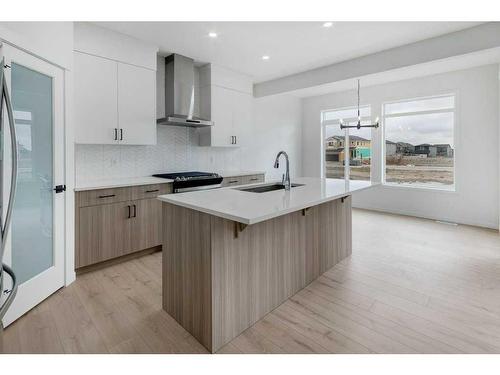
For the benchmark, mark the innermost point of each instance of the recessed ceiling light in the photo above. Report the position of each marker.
(328, 24)
(265, 57)
(212, 35)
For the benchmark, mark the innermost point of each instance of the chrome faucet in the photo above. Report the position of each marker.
(286, 176)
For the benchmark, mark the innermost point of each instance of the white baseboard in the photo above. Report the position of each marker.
(423, 215)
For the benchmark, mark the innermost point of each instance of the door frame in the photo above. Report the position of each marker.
(47, 282)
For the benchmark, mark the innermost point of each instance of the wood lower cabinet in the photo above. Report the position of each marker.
(146, 224)
(231, 181)
(114, 222)
(252, 179)
(106, 230)
(242, 180)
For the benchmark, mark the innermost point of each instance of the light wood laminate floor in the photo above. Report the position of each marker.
(411, 286)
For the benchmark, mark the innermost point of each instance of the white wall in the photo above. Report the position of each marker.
(277, 125)
(99, 41)
(52, 41)
(476, 199)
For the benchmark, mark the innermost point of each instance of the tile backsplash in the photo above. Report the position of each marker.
(176, 150)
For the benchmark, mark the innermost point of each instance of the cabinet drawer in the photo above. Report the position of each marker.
(102, 196)
(150, 191)
(252, 179)
(231, 181)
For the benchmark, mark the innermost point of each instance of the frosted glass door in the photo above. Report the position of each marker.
(32, 217)
(35, 246)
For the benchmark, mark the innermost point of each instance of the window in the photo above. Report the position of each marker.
(419, 143)
(359, 143)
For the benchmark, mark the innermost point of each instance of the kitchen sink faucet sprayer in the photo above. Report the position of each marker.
(286, 176)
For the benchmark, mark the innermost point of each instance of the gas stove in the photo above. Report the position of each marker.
(190, 181)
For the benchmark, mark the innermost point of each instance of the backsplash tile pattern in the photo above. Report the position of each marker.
(176, 150)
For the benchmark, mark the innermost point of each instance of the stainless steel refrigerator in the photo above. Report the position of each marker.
(7, 192)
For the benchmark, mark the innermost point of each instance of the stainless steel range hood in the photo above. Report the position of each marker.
(179, 93)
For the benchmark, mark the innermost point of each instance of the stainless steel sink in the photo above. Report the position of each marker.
(267, 188)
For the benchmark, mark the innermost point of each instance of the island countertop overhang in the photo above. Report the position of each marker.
(251, 208)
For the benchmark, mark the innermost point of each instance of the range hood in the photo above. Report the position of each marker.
(179, 93)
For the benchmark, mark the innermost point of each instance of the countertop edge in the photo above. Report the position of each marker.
(165, 199)
(122, 184)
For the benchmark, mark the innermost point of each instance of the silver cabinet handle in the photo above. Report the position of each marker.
(107, 196)
(121, 134)
(116, 134)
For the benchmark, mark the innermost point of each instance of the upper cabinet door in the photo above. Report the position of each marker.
(242, 117)
(136, 105)
(96, 94)
(222, 102)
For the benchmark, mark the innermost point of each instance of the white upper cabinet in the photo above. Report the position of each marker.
(96, 95)
(242, 117)
(136, 105)
(115, 88)
(229, 106)
(222, 116)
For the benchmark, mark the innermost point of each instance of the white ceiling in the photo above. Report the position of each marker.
(292, 46)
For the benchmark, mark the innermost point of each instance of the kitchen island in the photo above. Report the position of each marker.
(230, 256)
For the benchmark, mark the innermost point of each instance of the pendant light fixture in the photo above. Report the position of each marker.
(358, 125)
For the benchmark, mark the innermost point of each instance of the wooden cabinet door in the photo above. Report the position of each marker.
(104, 232)
(146, 224)
(136, 105)
(96, 111)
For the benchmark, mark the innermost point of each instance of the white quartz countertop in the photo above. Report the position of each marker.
(119, 182)
(147, 180)
(250, 208)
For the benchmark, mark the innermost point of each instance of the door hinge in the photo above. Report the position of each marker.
(60, 188)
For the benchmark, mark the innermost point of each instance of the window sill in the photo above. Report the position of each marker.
(437, 189)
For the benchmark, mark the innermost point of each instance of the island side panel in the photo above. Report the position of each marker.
(255, 272)
(329, 237)
(268, 262)
(344, 227)
(186, 270)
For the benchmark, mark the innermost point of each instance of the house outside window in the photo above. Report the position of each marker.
(419, 142)
(334, 141)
